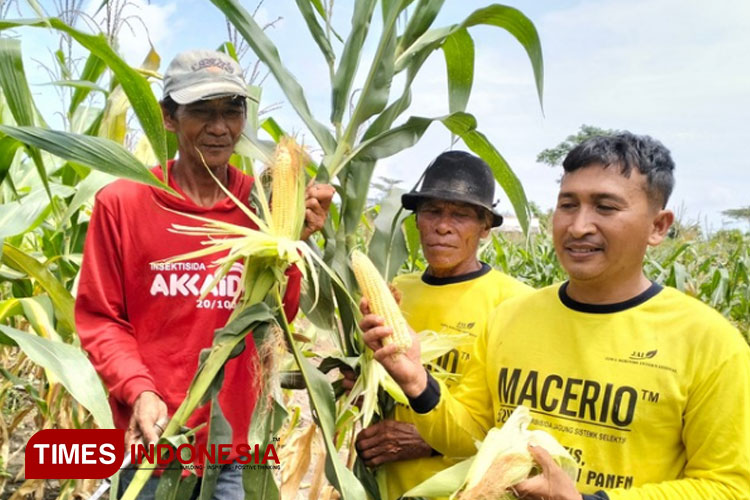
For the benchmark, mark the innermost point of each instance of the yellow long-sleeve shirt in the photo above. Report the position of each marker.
(450, 306)
(651, 396)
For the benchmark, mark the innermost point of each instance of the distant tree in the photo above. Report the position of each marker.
(554, 156)
(740, 214)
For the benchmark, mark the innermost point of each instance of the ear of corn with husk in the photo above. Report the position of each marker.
(381, 300)
(502, 461)
(274, 246)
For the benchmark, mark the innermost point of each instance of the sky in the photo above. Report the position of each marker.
(678, 70)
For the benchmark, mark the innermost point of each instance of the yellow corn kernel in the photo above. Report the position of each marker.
(286, 170)
(381, 300)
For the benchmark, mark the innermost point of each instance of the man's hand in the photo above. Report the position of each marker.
(148, 420)
(317, 201)
(406, 369)
(390, 441)
(552, 484)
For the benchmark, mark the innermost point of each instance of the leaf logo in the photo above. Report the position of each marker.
(643, 355)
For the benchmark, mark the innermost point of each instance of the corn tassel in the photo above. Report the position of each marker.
(381, 300)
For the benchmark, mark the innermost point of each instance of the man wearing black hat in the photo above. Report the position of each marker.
(454, 296)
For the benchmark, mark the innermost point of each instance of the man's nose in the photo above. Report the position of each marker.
(582, 223)
(217, 124)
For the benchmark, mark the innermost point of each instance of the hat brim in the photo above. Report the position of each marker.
(207, 90)
(410, 201)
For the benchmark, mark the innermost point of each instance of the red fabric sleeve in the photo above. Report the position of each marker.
(101, 321)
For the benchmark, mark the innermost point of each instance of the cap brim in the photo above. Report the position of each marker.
(410, 201)
(208, 90)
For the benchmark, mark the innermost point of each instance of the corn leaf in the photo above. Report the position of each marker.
(387, 247)
(95, 152)
(211, 366)
(344, 75)
(420, 21)
(463, 125)
(459, 62)
(61, 298)
(306, 9)
(18, 97)
(92, 71)
(374, 94)
(444, 483)
(8, 148)
(502, 16)
(19, 216)
(137, 88)
(219, 431)
(322, 403)
(71, 367)
(86, 189)
(267, 52)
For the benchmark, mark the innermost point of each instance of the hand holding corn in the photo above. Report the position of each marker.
(552, 484)
(317, 202)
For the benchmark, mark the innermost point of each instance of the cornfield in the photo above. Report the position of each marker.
(48, 177)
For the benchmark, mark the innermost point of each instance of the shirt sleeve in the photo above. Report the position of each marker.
(716, 434)
(101, 318)
(462, 416)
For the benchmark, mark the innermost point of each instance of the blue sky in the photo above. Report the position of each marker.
(675, 69)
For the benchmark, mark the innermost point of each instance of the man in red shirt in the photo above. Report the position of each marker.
(142, 321)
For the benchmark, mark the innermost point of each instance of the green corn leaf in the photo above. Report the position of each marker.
(20, 216)
(211, 366)
(95, 152)
(501, 16)
(267, 52)
(322, 402)
(71, 366)
(78, 84)
(463, 125)
(18, 97)
(344, 75)
(60, 296)
(306, 9)
(444, 483)
(459, 61)
(8, 148)
(136, 87)
(387, 247)
(92, 71)
(374, 95)
(420, 21)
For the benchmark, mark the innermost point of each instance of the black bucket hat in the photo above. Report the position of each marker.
(456, 176)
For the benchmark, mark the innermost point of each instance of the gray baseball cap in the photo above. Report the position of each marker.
(195, 75)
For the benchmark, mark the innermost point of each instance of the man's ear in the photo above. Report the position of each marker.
(169, 121)
(660, 226)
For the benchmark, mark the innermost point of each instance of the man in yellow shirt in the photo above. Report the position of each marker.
(648, 388)
(455, 295)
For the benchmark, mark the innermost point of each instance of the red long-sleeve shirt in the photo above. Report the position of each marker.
(141, 322)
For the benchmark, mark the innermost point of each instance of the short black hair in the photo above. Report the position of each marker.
(627, 151)
(170, 105)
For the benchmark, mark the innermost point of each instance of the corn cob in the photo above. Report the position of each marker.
(381, 300)
(287, 189)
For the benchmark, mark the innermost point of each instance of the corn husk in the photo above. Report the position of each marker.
(502, 461)
(274, 246)
(373, 375)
